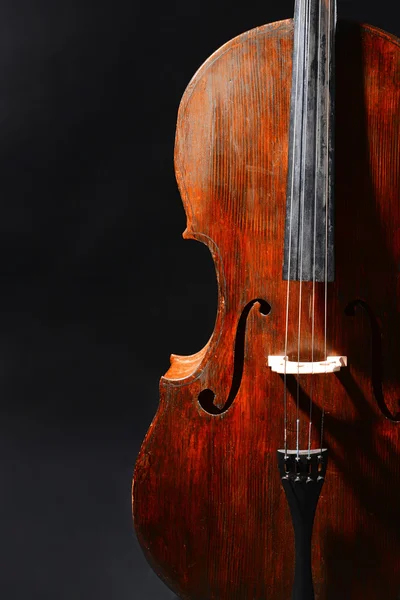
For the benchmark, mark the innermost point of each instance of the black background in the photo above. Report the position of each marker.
(97, 286)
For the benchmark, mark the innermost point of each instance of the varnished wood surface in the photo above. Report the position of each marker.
(208, 505)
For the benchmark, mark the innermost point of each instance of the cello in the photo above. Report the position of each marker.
(271, 470)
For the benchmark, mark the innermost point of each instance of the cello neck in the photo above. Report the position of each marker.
(309, 243)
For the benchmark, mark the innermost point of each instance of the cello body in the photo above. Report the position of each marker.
(208, 505)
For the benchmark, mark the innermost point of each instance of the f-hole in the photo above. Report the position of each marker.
(206, 398)
(376, 357)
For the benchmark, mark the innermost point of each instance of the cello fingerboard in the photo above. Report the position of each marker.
(309, 235)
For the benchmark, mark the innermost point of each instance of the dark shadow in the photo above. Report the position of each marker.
(362, 562)
(371, 479)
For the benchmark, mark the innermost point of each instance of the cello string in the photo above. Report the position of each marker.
(290, 228)
(302, 202)
(327, 196)
(327, 188)
(317, 160)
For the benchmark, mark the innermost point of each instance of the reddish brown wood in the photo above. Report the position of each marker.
(209, 509)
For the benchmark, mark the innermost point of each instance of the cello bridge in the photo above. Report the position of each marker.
(281, 364)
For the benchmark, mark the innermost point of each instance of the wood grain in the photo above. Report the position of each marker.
(208, 505)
